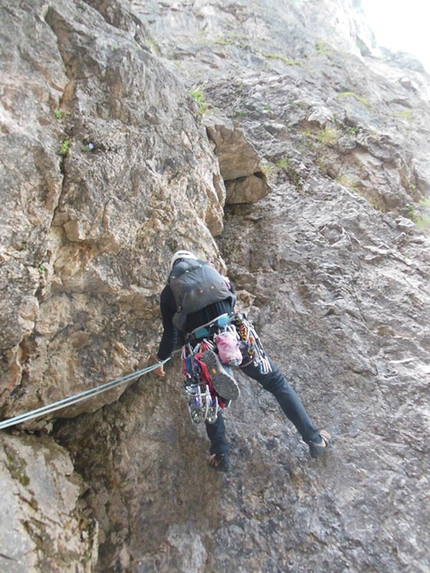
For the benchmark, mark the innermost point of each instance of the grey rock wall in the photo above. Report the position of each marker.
(42, 525)
(101, 149)
(108, 166)
(106, 170)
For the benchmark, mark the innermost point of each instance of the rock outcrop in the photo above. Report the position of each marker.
(43, 526)
(272, 137)
(239, 162)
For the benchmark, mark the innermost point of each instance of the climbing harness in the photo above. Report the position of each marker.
(203, 401)
(211, 328)
(49, 408)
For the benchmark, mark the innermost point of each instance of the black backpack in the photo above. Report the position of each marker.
(196, 284)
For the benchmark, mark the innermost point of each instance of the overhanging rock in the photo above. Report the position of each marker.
(238, 160)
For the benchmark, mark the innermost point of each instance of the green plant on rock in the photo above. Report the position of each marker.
(17, 467)
(310, 139)
(360, 99)
(295, 103)
(323, 164)
(283, 163)
(240, 113)
(284, 59)
(199, 96)
(420, 214)
(58, 114)
(349, 130)
(153, 46)
(65, 147)
(376, 202)
(408, 114)
(239, 40)
(423, 223)
(294, 176)
(424, 202)
(238, 36)
(411, 211)
(87, 147)
(224, 42)
(328, 135)
(267, 169)
(322, 48)
(348, 182)
(308, 133)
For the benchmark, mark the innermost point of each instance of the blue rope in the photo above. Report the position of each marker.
(75, 399)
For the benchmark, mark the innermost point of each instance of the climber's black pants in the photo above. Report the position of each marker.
(275, 383)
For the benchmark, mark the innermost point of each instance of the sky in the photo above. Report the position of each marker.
(401, 25)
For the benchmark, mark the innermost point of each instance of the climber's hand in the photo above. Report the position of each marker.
(160, 370)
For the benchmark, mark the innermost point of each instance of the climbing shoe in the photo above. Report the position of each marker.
(224, 384)
(317, 450)
(220, 462)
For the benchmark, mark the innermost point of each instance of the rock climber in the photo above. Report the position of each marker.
(196, 295)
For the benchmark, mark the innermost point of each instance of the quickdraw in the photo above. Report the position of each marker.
(251, 343)
(202, 400)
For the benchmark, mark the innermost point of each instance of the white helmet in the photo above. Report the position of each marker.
(181, 255)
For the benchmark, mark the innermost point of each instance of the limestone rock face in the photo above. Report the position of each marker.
(224, 37)
(106, 170)
(304, 167)
(300, 79)
(42, 527)
(101, 148)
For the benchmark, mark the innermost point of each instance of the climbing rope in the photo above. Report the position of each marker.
(75, 399)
